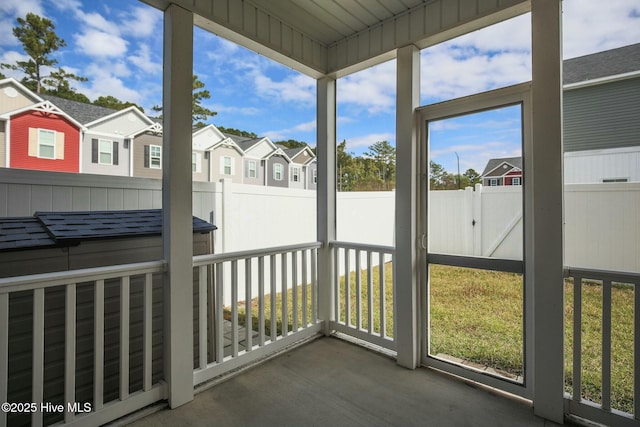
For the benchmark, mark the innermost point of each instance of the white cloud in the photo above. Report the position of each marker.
(372, 89)
(99, 44)
(142, 59)
(142, 21)
(296, 88)
(276, 135)
(20, 8)
(365, 141)
(224, 108)
(11, 57)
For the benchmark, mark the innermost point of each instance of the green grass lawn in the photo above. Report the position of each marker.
(477, 316)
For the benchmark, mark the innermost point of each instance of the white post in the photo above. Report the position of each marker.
(177, 228)
(546, 180)
(405, 281)
(326, 197)
(477, 217)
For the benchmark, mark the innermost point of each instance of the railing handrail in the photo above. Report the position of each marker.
(58, 278)
(363, 246)
(614, 276)
(201, 260)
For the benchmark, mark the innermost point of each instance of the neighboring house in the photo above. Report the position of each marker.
(299, 168)
(506, 171)
(277, 167)
(13, 96)
(601, 116)
(223, 155)
(311, 174)
(147, 153)
(42, 137)
(256, 151)
(107, 139)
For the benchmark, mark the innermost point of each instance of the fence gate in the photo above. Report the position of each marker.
(476, 319)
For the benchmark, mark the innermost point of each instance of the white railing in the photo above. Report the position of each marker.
(361, 305)
(626, 287)
(272, 296)
(34, 302)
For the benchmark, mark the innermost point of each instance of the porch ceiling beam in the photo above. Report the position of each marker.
(260, 28)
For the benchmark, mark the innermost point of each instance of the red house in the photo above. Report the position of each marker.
(42, 137)
(507, 171)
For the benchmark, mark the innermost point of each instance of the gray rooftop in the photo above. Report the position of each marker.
(494, 163)
(602, 64)
(48, 229)
(80, 111)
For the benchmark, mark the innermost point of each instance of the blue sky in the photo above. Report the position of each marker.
(117, 44)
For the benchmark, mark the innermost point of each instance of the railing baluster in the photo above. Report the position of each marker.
(202, 316)
(98, 348)
(314, 285)
(606, 345)
(219, 315)
(347, 289)
(636, 350)
(383, 297)
(261, 307)
(358, 291)
(148, 331)
(248, 318)
(294, 291)
(124, 337)
(305, 297)
(577, 338)
(284, 294)
(274, 318)
(234, 308)
(336, 284)
(369, 293)
(4, 353)
(37, 390)
(70, 351)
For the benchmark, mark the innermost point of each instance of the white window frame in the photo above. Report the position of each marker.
(252, 169)
(101, 152)
(277, 171)
(295, 174)
(493, 182)
(153, 156)
(315, 176)
(196, 162)
(47, 144)
(225, 166)
(516, 181)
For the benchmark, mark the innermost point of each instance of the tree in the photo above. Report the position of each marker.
(58, 84)
(292, 143)
(39, 41)
(440, 179)
(198, 113)
(114, 103)
(472, 178)
(384, 157)
(238, 132)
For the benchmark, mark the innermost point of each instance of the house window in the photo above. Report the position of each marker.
(493, 182)
(155, 156)
(252, 169)
(315, 176)
(226, 166)
(194, 162)
(615, 180)
(105, 152)
(295, 174)
(277, 172)
(46, 144)
(515, 181)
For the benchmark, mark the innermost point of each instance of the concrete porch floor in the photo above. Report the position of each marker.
(331, 382)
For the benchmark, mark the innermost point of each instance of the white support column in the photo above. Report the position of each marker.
(546, 180)
(177, 228)
(326, 196)
(405, 282)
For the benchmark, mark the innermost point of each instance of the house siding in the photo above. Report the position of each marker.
(271, 181)
(602, 116)
(139, 169)
(121, 169)
(216, 158)
(123, 124)
(309, 175)
(19, 150)
(203, 166)
(3, 143)
(10, 100)
(259, 179)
